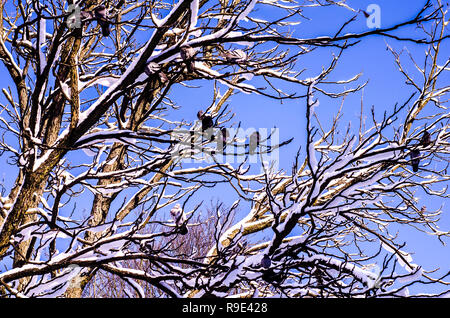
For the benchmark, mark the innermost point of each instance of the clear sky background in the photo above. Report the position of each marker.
(385, 88)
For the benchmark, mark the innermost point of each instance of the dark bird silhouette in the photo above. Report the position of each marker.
(207, 121)
(426, 139)
(254, 142)
(271, 276)
(207, 124)
(415, 154)
(266, 262)
(102, 19)
(187, 54)
(183, 229)
(179, 218)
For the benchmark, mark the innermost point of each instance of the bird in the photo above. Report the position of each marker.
(415, 154)
(179, 218)
(236, 56)
(187, 53)
(152, 68)
(271, 276)
(183, 229)
(426, 139)
(102, 19)
(265, 261)
(254, 142)
(207, 122)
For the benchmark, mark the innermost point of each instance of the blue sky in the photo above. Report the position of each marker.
(385, 88)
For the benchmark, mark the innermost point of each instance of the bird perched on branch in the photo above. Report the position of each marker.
(153, 68)
(187, 54)
(426, 139)
(207, 121)
(254, 142)
(272, 277)
(415, 154)
(266, 262)
(102, 19)
(236, 56)
(179, 218)
(269, 275)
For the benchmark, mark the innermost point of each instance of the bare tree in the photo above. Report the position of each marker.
(193, 245)
(123, 154)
